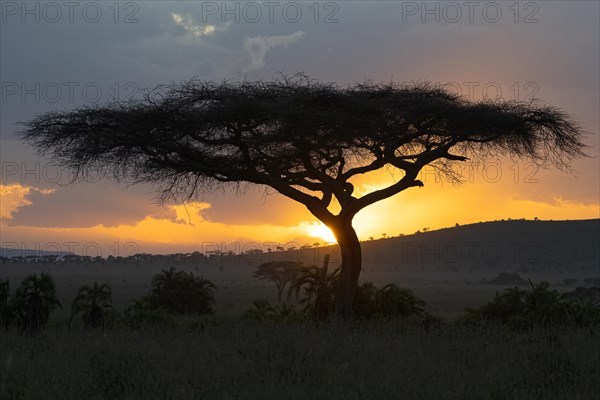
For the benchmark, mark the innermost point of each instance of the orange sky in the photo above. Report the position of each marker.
(188, 227)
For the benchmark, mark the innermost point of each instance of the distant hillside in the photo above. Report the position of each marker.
(513, 244)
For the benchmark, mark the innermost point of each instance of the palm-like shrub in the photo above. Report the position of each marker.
(544, 306)
(318, 287)
(388, 302)
(182, 293)
(507, 308)
(540, 306)
(34, 300)
(583, 312)
(264, 311)
(92, 303)
(141, 312)
(392, 301)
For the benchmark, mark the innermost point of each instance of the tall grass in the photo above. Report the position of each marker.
(250, 360)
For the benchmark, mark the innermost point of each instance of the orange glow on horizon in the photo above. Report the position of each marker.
(321, 231)
(432, 207)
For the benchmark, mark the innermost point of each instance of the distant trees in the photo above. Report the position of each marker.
(92, 303)
(281, 273)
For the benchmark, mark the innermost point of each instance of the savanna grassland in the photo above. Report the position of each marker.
(234, 360)
(522, 343)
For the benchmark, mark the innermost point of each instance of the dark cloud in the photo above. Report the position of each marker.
(86, 205)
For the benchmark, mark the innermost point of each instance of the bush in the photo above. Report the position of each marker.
(174, 293)
(264, 311)
(32, 303)
(141, 313)
(182, 293)
(93, 303)
(540, 306)
(388, 302)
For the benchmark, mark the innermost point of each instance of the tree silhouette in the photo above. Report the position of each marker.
(34, 300)
(319, 287)
(179, 292)
(92, 302)
(305, 139)
(279, 272)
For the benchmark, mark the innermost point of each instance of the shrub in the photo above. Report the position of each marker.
(34, 300)
(540, 306)
(182, 293)
(387, 302)
(319, 287)
(264, 311)
(93, 303)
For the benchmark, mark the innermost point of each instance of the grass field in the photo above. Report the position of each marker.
(244, 360)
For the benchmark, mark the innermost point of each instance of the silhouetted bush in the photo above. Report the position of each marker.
(173, 293)
(141, 313)
(387, 302)
(540, 306)
(182, 293)
(30, 307)
(264, 311)
(93, 303)
(318, 287)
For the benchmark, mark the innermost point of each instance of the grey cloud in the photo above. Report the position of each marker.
(86, 205)
(257, 47)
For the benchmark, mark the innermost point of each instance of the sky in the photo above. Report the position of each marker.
(61, 55)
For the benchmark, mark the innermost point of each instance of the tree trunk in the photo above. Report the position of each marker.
(350, 271)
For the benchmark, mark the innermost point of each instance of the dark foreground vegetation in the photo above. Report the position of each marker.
(250, 360)
(523, 344)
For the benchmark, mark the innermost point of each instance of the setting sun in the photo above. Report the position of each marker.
(321, 231)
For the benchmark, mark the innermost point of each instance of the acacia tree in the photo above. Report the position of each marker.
(305, 139)
(281, 273)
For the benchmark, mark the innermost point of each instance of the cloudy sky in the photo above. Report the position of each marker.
(57, 56)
